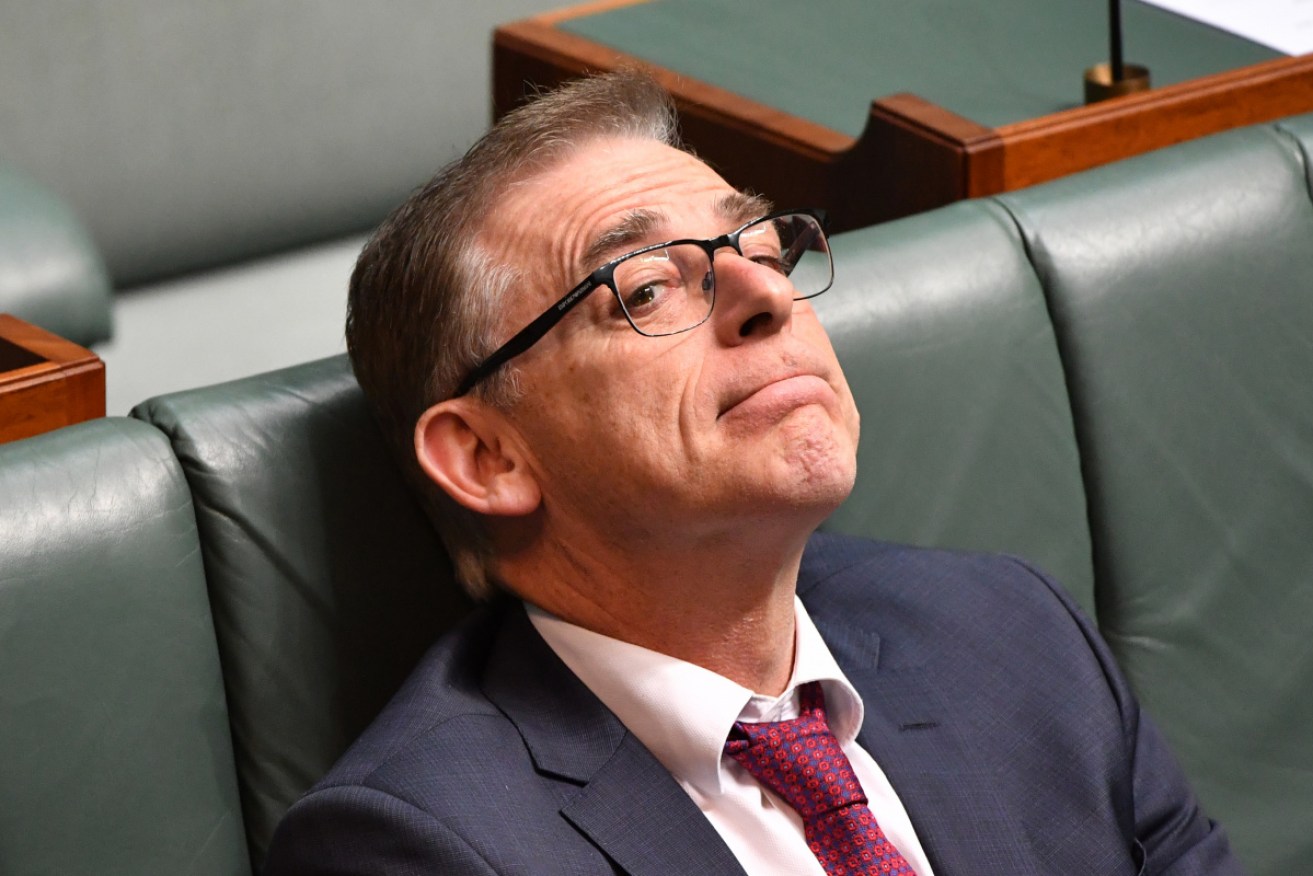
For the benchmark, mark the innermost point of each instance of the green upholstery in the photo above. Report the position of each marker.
(326, 579)
(995, 63)
(967, 439)
(115, 756)
(1300, 128)
(50, 272)
(1181, 288)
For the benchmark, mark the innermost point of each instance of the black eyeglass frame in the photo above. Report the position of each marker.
(605, 276)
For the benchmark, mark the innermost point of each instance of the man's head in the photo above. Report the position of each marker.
(596, 433)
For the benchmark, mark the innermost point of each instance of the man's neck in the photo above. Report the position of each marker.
(725, 606)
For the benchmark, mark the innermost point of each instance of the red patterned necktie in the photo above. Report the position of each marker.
(801, 761)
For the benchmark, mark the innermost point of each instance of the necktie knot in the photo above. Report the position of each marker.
(802, 762)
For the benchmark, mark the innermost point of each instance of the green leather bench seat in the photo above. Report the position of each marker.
(1181, 288)
(326, 579)
(51, 274)
(967, 438)
(115, 756)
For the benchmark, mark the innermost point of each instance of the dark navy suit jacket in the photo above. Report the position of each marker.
(991, 704)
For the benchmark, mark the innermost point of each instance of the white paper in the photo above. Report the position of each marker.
(1284, 25)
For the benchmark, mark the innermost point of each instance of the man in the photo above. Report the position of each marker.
(597, 362)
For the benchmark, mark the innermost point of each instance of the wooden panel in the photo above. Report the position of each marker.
(790, 160)
(45, 381)
(794, 162)
(912, 155)
(1085, 137)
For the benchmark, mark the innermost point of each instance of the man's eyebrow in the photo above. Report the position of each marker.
(629, 232)
(637, 226)
(741, 208)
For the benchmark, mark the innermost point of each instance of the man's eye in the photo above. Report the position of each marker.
(644, 296)
(765, 252)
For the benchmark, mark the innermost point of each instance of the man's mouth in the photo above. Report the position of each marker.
(779, 395)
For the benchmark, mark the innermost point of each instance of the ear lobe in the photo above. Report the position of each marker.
(462, 447)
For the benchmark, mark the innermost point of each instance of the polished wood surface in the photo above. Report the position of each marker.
(913, 155)
(1085, 137)
(45, 381)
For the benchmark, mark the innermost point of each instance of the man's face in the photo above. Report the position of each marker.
(747, 417)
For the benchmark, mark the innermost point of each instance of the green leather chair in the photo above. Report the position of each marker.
(326, 580)
(115, 757)
(1181, 290)
(51, 273)
(967, 438)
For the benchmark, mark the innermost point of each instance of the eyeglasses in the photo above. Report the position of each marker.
(668, 288)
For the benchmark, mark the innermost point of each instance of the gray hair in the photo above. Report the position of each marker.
(424, 301)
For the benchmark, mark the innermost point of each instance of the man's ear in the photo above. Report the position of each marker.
(466, 448)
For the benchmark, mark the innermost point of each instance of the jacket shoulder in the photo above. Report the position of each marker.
(441, 699)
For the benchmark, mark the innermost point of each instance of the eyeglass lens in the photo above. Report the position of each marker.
(672, 288)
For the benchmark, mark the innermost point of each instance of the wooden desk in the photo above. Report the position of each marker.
(912, 154)
(45, 381)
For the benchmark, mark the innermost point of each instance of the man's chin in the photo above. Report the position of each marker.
(814, 470)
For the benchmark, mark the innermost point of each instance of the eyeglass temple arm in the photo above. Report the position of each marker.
(525, 337)
(800, 245)
(804, 242)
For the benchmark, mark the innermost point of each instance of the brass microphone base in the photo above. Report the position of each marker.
(1099, 85)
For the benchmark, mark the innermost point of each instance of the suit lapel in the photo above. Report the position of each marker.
(625, 802)
(636, 812)
(917, 739)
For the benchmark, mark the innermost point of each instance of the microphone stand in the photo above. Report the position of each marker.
(1115, 78)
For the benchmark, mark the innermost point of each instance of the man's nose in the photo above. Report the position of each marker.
(751, 299)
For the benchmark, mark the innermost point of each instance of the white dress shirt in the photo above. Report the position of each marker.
(683, 714)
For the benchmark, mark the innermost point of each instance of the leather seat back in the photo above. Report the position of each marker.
(1181, 288)
(51, 274)
(115, 755)
(327, 581)
(967, 441)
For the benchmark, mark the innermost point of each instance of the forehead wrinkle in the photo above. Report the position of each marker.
(638, 226)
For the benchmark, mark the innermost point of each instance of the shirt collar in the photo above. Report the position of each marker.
(682, 712)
